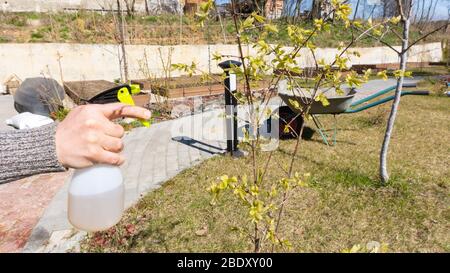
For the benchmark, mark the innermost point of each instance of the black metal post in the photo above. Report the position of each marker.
(230, 105)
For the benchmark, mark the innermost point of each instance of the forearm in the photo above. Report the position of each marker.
(27, 152)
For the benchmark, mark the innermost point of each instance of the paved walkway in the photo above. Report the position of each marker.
(33, 215)
(22, 204)
(6, 111)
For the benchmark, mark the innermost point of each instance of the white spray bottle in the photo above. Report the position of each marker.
(96, 198)
(96, 194)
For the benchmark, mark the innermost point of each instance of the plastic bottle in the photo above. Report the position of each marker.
(96, 198)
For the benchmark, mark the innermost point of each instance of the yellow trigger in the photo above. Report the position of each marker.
(124, 97)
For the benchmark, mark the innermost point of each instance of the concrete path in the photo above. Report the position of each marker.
(6, 111)
(153, 155)
(22, 204)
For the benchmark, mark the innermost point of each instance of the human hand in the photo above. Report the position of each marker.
(88, 136)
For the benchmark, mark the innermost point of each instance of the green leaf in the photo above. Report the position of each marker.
(264, 47)
(258, 17)
(248, 23)
(294, 104)
(318, 23)
(217, 56)
(395, 20)
(271, 28)
(383, 75)
(353, 80)
(323, 99)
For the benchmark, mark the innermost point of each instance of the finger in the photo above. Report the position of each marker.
(111, 110)
(111, 144)
(111, 129)
(117, 110)
(110, 158)
(135, 112)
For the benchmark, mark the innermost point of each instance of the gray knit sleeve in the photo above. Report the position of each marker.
(27, 152)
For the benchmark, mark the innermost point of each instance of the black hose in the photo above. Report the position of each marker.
(420, 93)
(409, 85)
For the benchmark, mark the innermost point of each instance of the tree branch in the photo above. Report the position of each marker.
(428, 34)
(384, 43)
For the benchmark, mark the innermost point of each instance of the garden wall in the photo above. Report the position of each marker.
(60, 5)
(96, 61)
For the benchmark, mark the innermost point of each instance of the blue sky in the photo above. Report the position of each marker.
(442, 8)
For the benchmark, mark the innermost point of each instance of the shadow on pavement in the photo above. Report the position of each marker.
(202, 146)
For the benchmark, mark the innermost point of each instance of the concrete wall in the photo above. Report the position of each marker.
(154, 6)
(93, 62)
(59, 5)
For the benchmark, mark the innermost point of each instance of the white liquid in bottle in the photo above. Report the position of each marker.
(96, 198)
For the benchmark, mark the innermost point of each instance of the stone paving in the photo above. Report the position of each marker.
(33, 215)
(6, 111)
(22, 204)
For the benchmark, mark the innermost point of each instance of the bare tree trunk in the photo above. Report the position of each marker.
(147, 11)
(422, 11)
(356, 10)
(316, 10)
(372, 12)
(434, 10)
(364, 11)
(390, 8)
(122, 41)
(130, 7)
(296, 13)
(390, 125)
(221, 24)
(260, 6)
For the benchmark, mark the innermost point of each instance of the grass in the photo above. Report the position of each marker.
(344, 205)
(128, 126)
(92, 27)
(3, 39)
(430, 80)
(429, 71)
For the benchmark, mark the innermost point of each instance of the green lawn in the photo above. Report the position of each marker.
(345, 204)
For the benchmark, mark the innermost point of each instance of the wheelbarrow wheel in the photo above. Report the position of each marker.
(289, 118)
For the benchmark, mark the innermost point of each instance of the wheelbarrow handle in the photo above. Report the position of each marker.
(381, 93)
(420, 93)
(384, 100)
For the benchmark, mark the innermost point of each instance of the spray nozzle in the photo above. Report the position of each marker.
(124, 96)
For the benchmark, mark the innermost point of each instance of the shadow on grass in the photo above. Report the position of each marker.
(334, 175)
(156, 235)
(308, 133)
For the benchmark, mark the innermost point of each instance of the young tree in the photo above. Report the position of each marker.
(265, 199)
(404, 9)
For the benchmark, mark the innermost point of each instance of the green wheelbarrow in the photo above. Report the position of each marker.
(339, 105)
